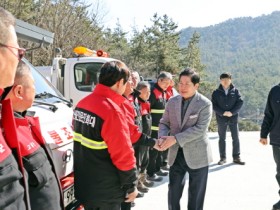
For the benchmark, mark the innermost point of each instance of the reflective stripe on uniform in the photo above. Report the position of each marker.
(157, 111)
(89, 142)
(154, 128)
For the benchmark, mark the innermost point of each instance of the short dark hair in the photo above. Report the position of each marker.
(195, 78)
(6, 20)
(112, 72)
(143, 84)
(225, 75)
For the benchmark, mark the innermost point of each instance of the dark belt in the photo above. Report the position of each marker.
(180, 149)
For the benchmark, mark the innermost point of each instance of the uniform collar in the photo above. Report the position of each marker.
(159, 88)
(6, 92)
(107, 92)
(141, 100)
(230, 87)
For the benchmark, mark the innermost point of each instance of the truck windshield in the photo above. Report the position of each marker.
(42, 85)
(86, 75)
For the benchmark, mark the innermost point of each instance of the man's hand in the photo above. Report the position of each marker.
(227, 114)
(130, 197)
(158, 143)
(263, 141)
(167, 142)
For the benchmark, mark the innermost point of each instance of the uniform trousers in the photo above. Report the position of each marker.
(105, 206)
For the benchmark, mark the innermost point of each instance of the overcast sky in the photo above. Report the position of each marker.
(195, 13)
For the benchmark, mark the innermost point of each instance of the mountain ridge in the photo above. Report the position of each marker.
(248, 48)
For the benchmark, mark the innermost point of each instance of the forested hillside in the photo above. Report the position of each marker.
(246, 47)
(249, 48)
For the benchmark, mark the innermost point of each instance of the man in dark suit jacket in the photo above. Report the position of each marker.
(227, 102)
(186, 119)
(271, 127)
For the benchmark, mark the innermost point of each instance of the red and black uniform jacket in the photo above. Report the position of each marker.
(137, 138)
(43, 183)
(145, 110)
(104, 162)
(11, 182)
(169, 92)
(158, 101)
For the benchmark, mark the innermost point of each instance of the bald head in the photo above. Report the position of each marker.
(135, 78)
(6, 20)
(23, 91)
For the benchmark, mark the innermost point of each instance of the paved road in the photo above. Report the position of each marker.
(231, 186)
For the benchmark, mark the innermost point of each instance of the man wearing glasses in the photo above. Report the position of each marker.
(11, 190)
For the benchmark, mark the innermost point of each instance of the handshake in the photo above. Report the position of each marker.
(164, 142)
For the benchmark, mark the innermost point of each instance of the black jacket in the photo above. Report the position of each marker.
(231, 102)
(133, 98)
(145, 109)
(271, 121)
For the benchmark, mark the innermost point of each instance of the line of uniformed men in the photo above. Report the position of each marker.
(149, 105)
(27, 174)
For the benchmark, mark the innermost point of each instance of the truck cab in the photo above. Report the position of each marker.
(81, 76)
(76, 77)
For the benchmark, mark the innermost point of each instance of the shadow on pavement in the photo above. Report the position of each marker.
(219, 167)
(213, 137)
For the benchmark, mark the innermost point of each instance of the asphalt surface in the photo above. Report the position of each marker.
(230, 186)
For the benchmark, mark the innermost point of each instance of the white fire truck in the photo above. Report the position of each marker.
(55, 114)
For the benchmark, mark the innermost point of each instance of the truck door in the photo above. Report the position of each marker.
(82, 79)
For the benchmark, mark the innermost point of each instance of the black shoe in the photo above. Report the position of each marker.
(166, 167)
(142, 188)
(148, 183)
(276, 206)
(162, 173)
(238, 161)
(132, 204)
(140, 195)
(143, 179)
(154, 178)
(222, 161)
